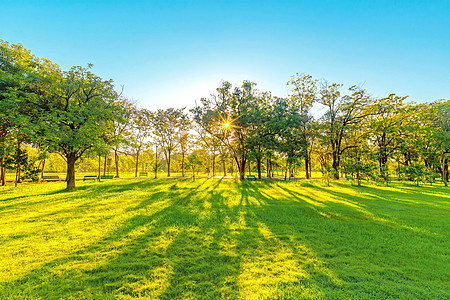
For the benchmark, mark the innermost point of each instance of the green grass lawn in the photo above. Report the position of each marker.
(214, 239)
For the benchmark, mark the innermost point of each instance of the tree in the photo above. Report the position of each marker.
(259, 118)
(442, 134)
(141, 123)
(193, 163)
(343, 111)
(17, 66)
(184, 147)
(75, 110)
(385, 128)
(168, 126)
(226, 116)
(212, 145)
(303, 96)
(121, 129)
(287, 140)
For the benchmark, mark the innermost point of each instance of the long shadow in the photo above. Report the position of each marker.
(99, 247)
(203, 266)
(192, 240)
(335, 242)
(147, 247)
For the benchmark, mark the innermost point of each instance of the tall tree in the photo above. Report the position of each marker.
(302, 98)
(386, 132)
(226, 115)
(75, 111)
(343, 111)
(141, 130)
(259, 116)
(168, 126)
(441, 110)
(18, 71)
(122, 128)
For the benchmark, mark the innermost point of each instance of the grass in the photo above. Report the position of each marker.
(221, 239)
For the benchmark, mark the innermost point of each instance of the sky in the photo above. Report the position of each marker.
(171, 53)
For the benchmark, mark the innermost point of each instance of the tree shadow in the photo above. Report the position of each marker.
(212, 239)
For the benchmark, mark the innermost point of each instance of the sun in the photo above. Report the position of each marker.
(226, 125)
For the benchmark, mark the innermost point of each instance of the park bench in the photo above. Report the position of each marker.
(348, 177)
(50, 178)
(106, 176)
(143, 174)
(90, 177)
(251, 177)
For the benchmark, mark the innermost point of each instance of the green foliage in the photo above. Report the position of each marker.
(193, 162)
(358, 168)
(414, 172)
(69, 112)
(169, 127)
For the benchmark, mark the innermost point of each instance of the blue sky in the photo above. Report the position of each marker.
(171, 53)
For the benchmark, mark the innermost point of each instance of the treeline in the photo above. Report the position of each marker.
(78, 115)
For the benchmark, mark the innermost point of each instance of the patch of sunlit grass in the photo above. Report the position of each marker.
(213, 239)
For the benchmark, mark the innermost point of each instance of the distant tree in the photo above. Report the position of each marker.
(415, 172)
(184, 143)
(342, 112)
(226, 115)
(211, 144)
(168, 126)
(122, 128)
(385, 128)
(141, 124)
(302, 97)
(288, 141)
(441, 111)
(193, 163)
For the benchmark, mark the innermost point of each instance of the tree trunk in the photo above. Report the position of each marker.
(335, 165)
(42, 170)
(286, 172)
(224, 168)
(310, 168)
(242, 169)
(168, 164)
(241, 166)
(70, 178)
(99, 167)
(3, 175)
(249, 169)
(307, 167)
(214, 165)
(17, 175)
(19, 152)
(137, 165)
(182, 164)
(104, 166)
(258, 164)
(444, 175)
(116, 161)
(2, 172)
(156, 163)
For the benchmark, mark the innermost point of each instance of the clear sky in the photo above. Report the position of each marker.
(171, 53)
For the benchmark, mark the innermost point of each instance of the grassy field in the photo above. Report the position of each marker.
(221, 239)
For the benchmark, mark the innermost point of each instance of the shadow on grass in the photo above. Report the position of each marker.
(213, 239)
